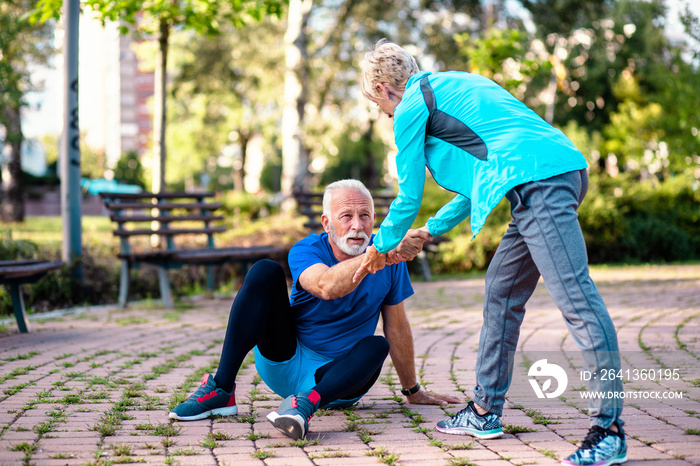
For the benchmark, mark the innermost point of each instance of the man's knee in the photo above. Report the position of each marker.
(265, 272)
(376, 344)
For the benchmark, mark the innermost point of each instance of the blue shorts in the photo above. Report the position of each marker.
(296, 374)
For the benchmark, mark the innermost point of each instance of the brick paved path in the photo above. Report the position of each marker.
(95, 388)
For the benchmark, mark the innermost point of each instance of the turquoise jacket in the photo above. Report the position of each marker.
(477, 140)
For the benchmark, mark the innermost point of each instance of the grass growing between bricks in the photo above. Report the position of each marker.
(13, 374)
(21, 356)
(539, 418)
(28, 449)
(510, 429)
(149, 374)
(212, 438)
(460, 462)
(262, 454)
(329, 453)
(384, 455)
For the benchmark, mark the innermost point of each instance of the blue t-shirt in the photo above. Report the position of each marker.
(331, 328)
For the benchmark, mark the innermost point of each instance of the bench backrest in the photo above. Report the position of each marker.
(310, 205)
(163, 214)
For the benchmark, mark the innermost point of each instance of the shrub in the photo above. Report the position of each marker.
(623, 220)
(101, 270)
(639, 221)
(246, 206)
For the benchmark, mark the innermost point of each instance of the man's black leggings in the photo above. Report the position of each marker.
(261, 315)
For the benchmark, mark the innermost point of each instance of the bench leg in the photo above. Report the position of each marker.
(124, 283)
(424, 266)
(18, 306)
(165, 293)
(210, 277)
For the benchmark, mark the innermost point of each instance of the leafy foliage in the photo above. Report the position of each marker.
(637, 221)
(225, 93)
(602, 70)
(357, 154)
(203, 16)
(129, 170)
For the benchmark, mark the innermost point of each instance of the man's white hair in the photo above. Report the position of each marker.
(356, 185)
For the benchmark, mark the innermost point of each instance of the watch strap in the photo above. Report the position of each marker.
(410, 391)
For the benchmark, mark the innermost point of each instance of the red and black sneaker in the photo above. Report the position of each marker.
(293, 415)
(206, 401)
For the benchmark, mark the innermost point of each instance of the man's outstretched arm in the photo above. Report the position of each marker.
(398, 331)
(334, 282)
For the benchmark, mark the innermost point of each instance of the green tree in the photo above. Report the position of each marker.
(507, 56)
(691, 23)
(225, 92)
(161, 18)
(356, 157)
(565, 16)
(92, 161)
(129, 170)
(22, 44)
(325, 40)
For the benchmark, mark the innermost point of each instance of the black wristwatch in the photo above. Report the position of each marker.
(410, 391)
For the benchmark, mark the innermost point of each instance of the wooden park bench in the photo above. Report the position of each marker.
(310, 205)
(15, 273)
(169, 216)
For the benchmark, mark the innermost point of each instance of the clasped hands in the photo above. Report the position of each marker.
(410, 246)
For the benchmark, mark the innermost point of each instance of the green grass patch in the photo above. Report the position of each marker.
(263, 454)
(166, 429)
(539, 418)
(122, 449)
(384, 455)
(71, 399)
(460, 462)
(549, 454)
(166, 367)
(186, 452)
(461, 446)
(131, 320)
(329, 453)
(13, 374)
(16, 388)
(510, 429)
(21, 356)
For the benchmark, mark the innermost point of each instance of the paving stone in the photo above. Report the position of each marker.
(650, 304)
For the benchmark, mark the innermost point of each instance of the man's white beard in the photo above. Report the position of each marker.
(351, 250)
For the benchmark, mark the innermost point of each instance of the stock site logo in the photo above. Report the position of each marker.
(541, 369)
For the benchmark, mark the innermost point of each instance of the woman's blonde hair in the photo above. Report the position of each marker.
(389, 64)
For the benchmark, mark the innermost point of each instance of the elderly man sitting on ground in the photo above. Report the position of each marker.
(317, 348)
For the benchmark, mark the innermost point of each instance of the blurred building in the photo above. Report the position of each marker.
(115, 92)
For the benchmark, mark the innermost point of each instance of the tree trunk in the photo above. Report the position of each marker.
(551, 97)
(554, 80)
(159, 101)
(295, 156)
(13, 184)
(239, 172)
(369, 172)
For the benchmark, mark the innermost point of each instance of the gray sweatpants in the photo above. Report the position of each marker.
(545, 238)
